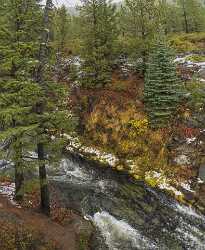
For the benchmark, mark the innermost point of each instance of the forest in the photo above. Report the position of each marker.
(102, 125)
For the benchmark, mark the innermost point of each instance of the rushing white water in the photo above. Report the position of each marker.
(118, 234)
(190, 234)
(151, 219)
(72, 172)
(188, 211)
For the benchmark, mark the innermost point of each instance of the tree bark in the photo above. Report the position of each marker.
(19, 181)
(185, 17)
(39, 77)
(45, 197)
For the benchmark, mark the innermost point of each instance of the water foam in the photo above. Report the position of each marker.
(118, 234)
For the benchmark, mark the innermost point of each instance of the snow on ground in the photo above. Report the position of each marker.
(189, 63)
(158, 178)
(7, 189)
(190, 140)
(162, 182)
(104, 157)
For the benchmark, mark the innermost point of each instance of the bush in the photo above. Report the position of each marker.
(181, 45)
(188, 42)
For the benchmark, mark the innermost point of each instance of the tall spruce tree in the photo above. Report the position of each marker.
(33, 109)
(99, 23)
(51, 109)
(18, 94)
(192, 13)
(62, 25)
(142, 18)
(162, 87)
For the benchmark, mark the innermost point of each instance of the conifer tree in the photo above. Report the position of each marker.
(99, 22)
(62, 22)
(192, 13)
(51, 109)
(162, 87)
(33, 109)
(142, 19)
(18, 93)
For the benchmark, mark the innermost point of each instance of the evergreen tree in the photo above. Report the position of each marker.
(99, 22)
(162, 87)
(143, 20)
(18, 94)
(192, 13)
(51, 109)
(62, 23)
(33, 109)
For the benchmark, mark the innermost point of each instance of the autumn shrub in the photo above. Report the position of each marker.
(118, 86)
(181, 45)
(138, 127)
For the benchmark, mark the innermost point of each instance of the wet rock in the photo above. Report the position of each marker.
(201, 198)
(202, 173)
(127, 214)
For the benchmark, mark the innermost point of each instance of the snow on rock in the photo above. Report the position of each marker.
(190, 140)
(187, 187)
(168, 187)
(158, 179)
(7, 189)
(104, 157)
(182, 160)
(180, 60)
(200, 181)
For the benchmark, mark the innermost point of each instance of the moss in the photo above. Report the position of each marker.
(152, 182)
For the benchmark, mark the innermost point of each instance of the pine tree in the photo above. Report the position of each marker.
(99, 22)
(52, 111)
(17, 97)
(162, 87)
(192, 12)
(142, 17)
(62, 23)
(33, 109)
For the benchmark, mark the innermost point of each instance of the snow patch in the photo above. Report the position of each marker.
(8, 190)
(187, 187)
(162, 182)
(190, 140)
(75, 144)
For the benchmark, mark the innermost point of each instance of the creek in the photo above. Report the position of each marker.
(127, 214)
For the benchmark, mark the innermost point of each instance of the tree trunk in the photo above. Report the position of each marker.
(39, 77)
(19, 182)
(19, 173)
(45, 197)
(185, 17)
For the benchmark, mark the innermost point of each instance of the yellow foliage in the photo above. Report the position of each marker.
(139, 127)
